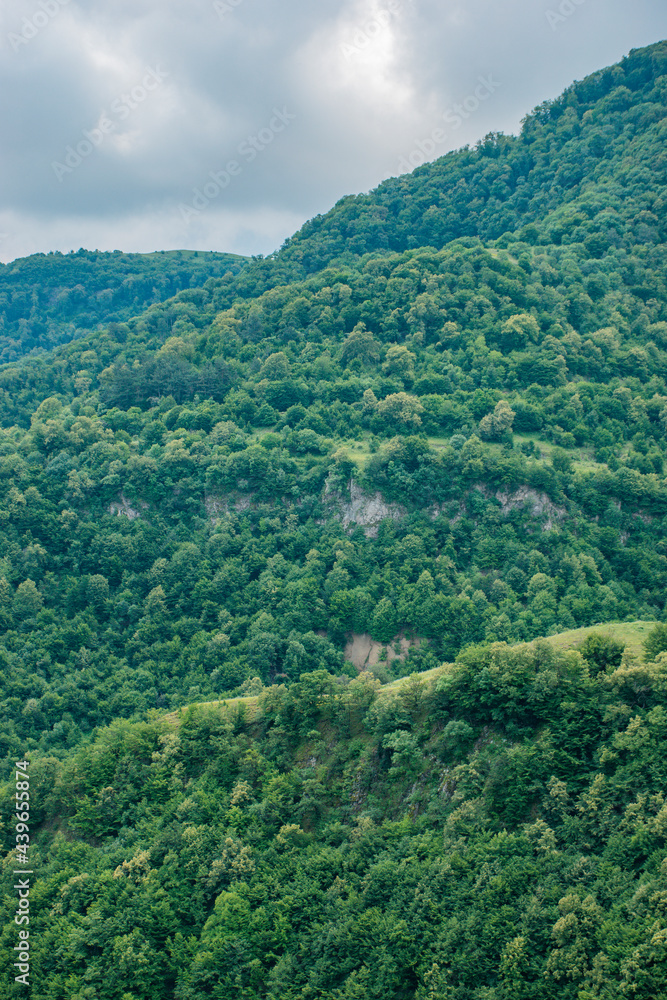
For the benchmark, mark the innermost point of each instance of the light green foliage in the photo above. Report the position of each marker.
(494, 425)
(656, 642)
(505, 821)
(400, 361)
(360, 344)
(602, 652)
(400, 409)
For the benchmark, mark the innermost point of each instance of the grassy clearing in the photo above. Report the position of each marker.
(249, 703)
(438, 442)
(631, 634)
(583, 459)
(360, 450)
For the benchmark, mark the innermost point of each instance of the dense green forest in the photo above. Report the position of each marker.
(438, 414)
(50, 299)
(495, 831)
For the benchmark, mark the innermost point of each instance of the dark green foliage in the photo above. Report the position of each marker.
(656, 642)
(601, 652)
(496, 832)
(50, 299)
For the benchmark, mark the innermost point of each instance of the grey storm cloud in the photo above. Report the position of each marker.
(224, 124)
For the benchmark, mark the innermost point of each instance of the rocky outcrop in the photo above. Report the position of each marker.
(218, 506)
(123, 508)
(368, 510)
(539, 503)
(365, 652)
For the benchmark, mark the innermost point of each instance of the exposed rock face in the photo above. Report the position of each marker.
(539, 504)
(123, 508)
(217, 507)
(369, 510)
(366, 510)
(365, 652)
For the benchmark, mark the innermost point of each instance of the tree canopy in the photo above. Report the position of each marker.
(430, 429)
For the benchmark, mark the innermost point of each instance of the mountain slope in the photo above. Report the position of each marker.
(457, 445)
(498, 832)
(181, 519)
(578, 173)
(583, 170)
(49, 299)
(446, 450)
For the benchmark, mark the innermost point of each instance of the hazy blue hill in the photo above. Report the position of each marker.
(49, 299)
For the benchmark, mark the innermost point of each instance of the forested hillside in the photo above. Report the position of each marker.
(50, 299)
(496, 832)
(174, 517)
(583, 170)
(435, 421)
(588, 168)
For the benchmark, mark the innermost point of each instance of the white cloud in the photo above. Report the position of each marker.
(222, 228)
(365, 79)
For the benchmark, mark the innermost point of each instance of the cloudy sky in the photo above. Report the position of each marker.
(224, 124)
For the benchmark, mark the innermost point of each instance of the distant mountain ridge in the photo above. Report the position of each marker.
(562, 180)
(50, 299)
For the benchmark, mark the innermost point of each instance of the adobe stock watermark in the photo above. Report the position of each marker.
(225, 7)
(32, 26)
(367, 32)
(454, 117)
(122, 107)
(248, 150)
(566, 9)
(22, 867)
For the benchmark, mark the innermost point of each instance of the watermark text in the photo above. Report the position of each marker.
(31, 26)
(566, 9)
(121, 107)
(248, 150)
(22, 884)
(225, 7)
(454, 118)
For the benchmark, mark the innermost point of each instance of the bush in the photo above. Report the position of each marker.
(601, 651)
(656, 642)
